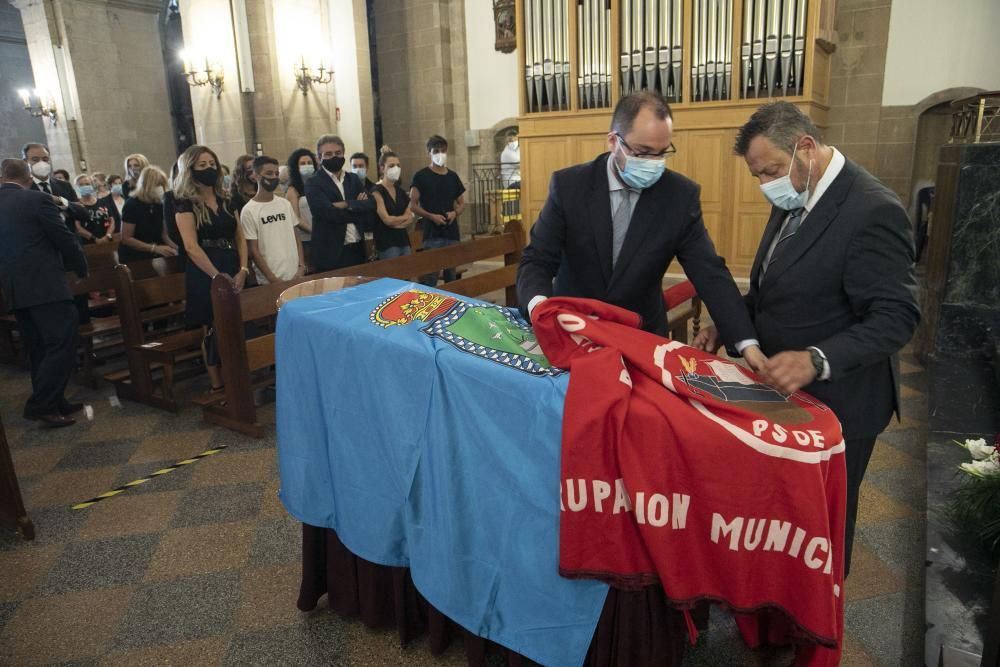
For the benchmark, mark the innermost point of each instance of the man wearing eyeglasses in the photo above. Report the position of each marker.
(610, 228)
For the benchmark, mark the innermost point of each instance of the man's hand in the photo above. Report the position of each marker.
(789, 371)
(755, 358)
(239, 279)
(340, 204)
(60, 202)
(708, 341)
(449, 216)
(363, 196)
(440, 219)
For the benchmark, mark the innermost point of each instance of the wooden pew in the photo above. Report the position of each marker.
(242, 359)
(11, 503)
(144, 299)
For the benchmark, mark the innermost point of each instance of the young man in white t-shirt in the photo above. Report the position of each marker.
(269, 228)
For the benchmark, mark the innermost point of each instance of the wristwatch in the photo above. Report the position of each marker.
(817, 361)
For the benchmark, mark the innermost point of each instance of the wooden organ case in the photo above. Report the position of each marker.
(715, 61)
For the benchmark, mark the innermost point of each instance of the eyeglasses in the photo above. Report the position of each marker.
(647, 156)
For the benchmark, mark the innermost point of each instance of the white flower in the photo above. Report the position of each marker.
(979, 449)
(983, 468)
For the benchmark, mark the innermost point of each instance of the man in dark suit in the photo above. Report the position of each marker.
(832, 292)
(610, 228)
(63, 194)
(339, 204)
(34, 257)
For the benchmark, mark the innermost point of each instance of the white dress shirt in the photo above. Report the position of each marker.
(351, 235)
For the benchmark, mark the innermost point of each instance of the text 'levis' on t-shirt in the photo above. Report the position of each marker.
(272, 225)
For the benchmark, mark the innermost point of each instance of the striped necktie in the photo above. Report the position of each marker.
(791, 226)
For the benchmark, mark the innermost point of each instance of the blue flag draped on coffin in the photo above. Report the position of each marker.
(425, 429)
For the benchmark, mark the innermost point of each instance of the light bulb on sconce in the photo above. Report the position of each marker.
(305, 77)
(209, 74)
(45, 108)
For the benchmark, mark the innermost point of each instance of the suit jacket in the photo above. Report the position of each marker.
(572, 242)
(73, 212)
(330, 223)
(844, 284)
(37, 249)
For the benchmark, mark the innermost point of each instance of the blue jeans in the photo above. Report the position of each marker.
(394, 251)
(430, 279)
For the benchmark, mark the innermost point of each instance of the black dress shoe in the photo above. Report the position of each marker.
(69, 408)
(55, 421)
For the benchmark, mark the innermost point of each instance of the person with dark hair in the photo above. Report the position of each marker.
(610, 228)
(437, 195)
(359, 167)
(114, 198)
(510, 162)
(392, 205)
(37, 251)
(63, 194)
(301, 167)
(338, 204)
(269, 228)
(832, 292)
(61, 175)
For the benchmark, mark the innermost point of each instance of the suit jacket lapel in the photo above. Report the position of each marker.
(814, 225)
(773, 225)
(599, 211)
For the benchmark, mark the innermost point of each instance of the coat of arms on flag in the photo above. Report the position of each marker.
(488, 331)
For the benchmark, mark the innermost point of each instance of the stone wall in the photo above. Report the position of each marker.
(18, 127)
(103, 62)
(423, 88)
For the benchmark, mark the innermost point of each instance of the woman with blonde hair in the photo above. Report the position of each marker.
(134, 164)
(95, 223)
(143, 234)
(212, 240)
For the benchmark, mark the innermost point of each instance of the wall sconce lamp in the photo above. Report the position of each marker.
(305, 77)
(211, 74)
(46, 107)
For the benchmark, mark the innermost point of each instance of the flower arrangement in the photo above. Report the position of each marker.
(975, 506)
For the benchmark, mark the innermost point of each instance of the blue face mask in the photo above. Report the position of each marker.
(782, 193)
(639, 172)
(306, 171)
(227, 181)
(116, 189)
(87, 191)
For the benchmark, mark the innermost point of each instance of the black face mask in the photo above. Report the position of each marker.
(205, 176)
(269, 184)
(333, 164)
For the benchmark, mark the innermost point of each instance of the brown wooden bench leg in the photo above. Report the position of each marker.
(87, 374)
(167, 386)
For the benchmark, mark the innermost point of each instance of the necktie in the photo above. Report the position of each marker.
(620, 221)
(791, 226)
(44, 185)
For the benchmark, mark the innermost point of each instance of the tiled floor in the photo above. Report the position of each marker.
(201, 565)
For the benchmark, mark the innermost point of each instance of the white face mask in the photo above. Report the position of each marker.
(439, 159)
(513, 145)
(41, 169)
(393, 173)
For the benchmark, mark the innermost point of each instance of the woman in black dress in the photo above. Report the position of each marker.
(392, 204)
(134, 164)
(143, 233)
(213, 242)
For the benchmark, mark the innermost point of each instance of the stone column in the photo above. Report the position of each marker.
(18, 127)
(423, 88)
(103, 63)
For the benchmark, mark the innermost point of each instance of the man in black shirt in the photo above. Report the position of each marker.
(437, 196)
